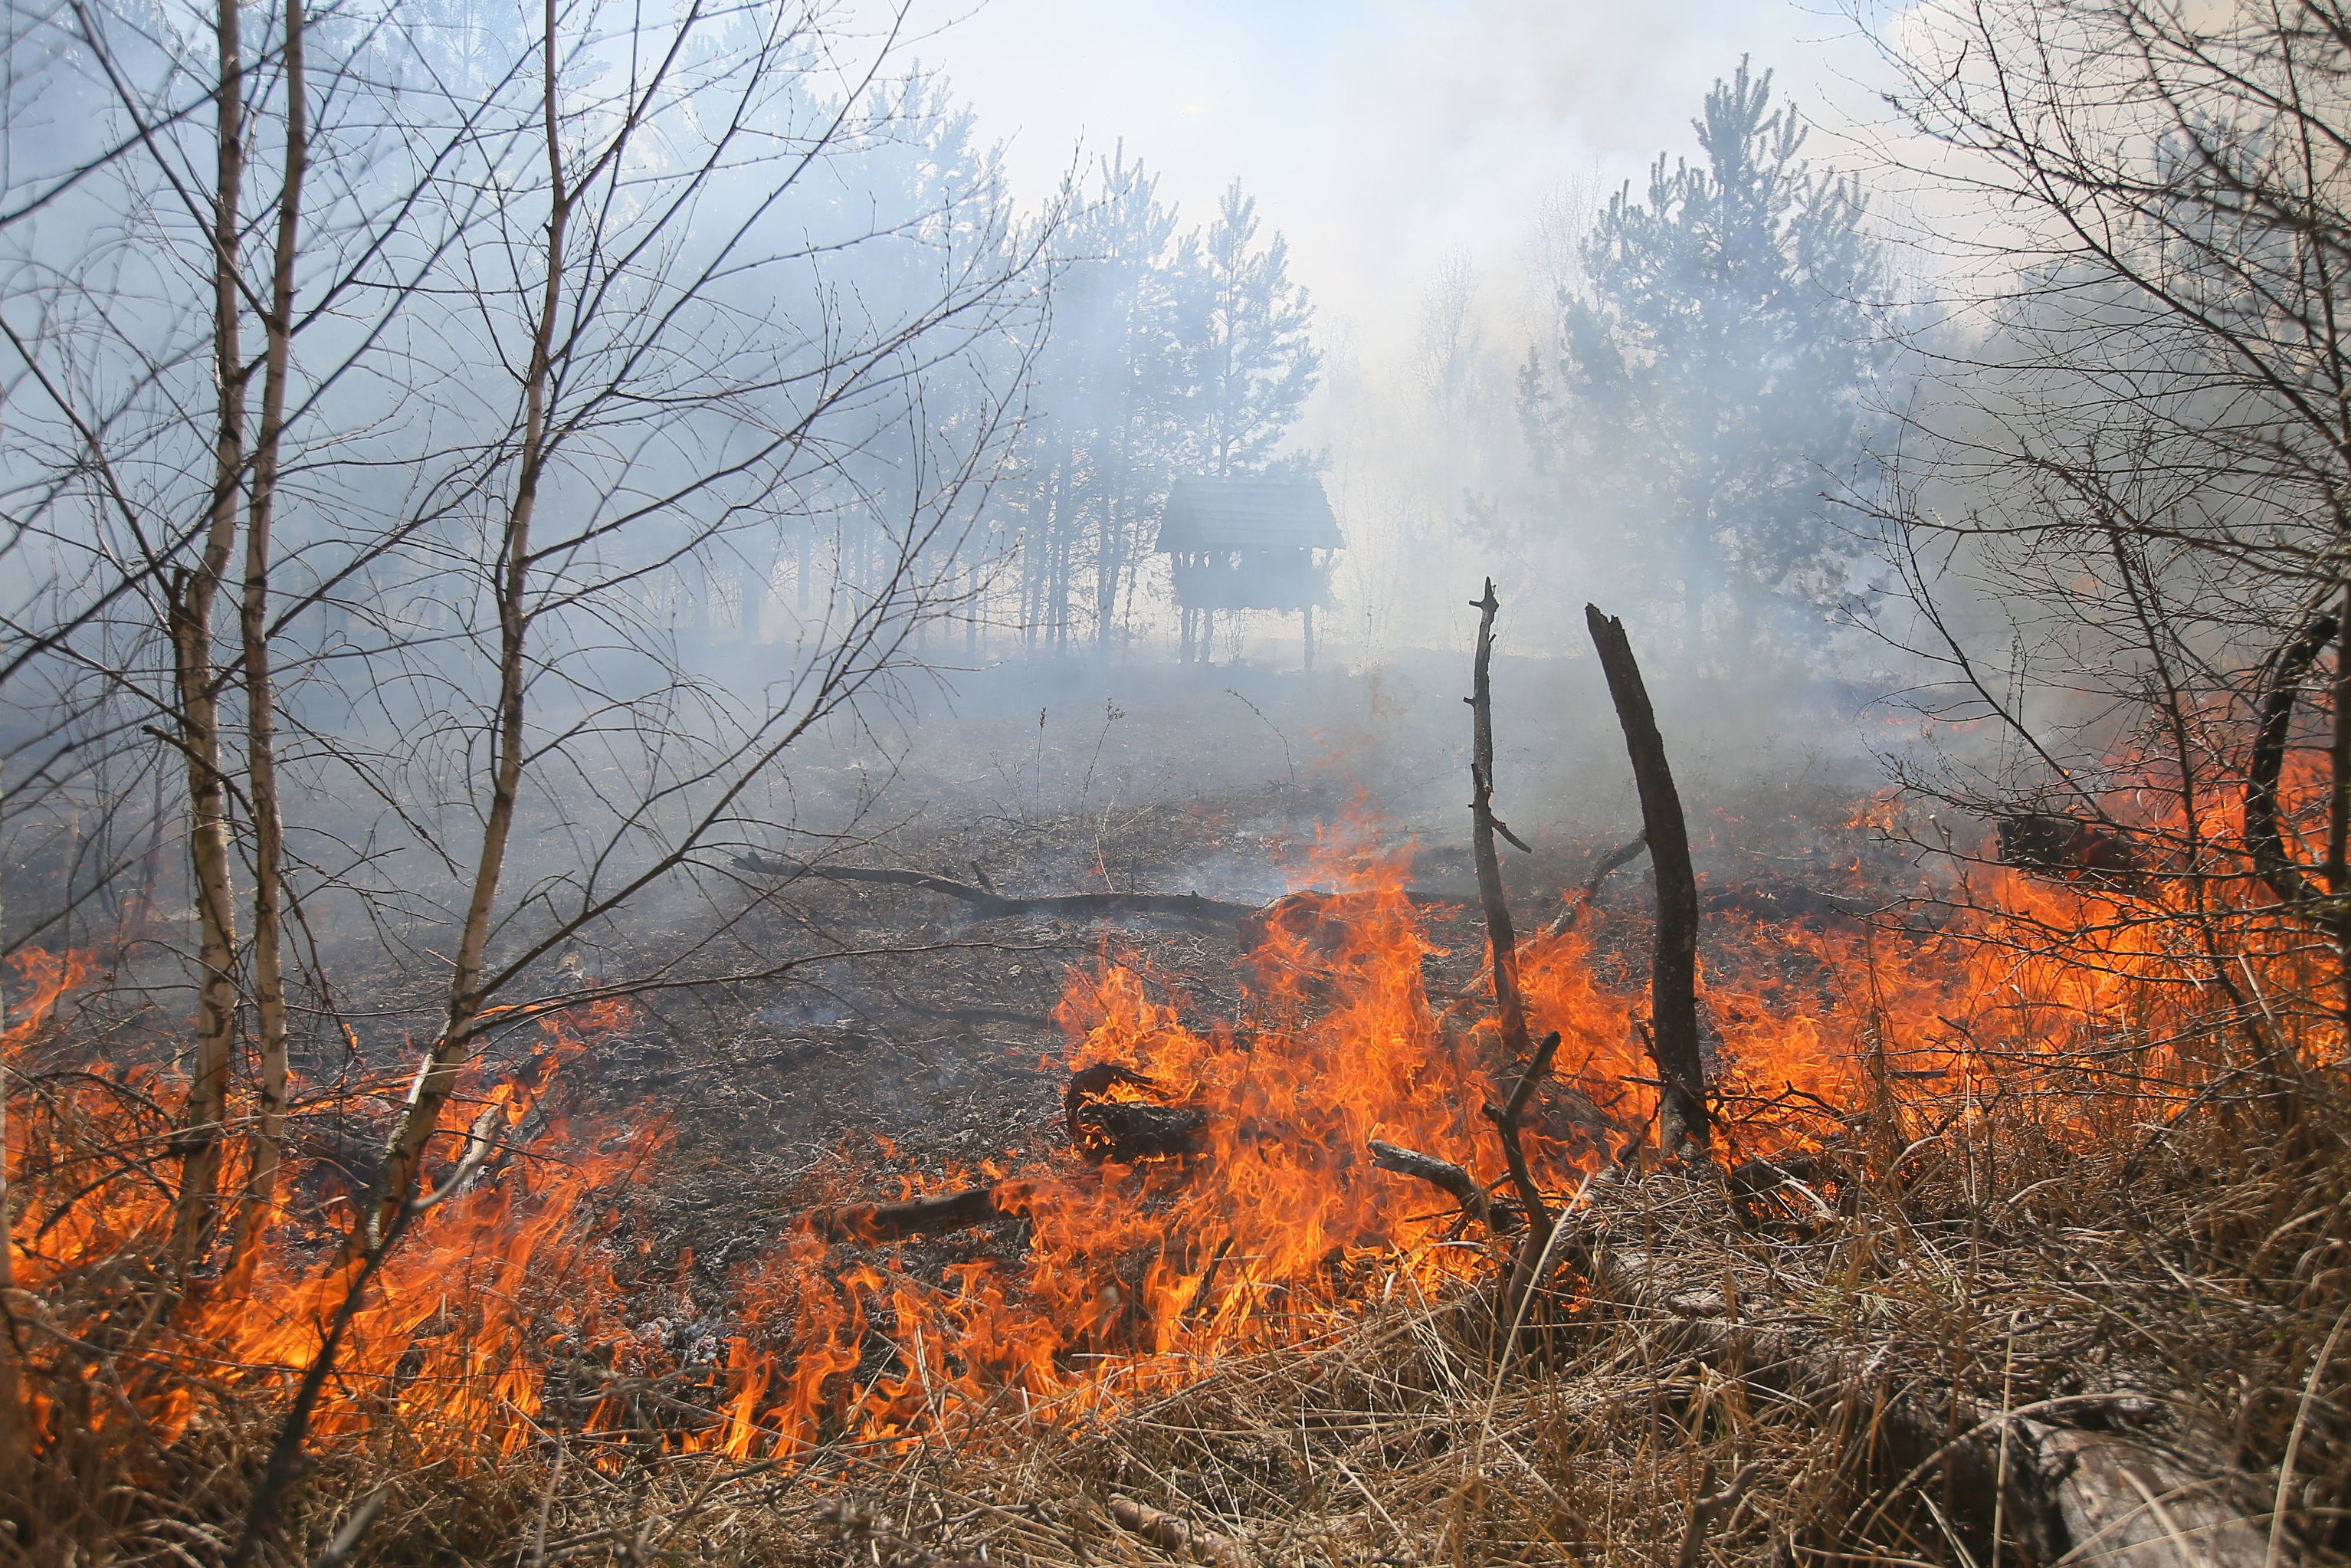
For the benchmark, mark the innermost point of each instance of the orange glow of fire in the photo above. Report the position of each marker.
(1136, 1275)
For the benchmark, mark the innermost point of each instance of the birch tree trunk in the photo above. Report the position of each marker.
(436, 1075)
(265, 1136)
(194, 596)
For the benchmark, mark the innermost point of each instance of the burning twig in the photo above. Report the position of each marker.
(1172, 1534)
(1505, 1117)
(481, 1143)
(1682, 1127)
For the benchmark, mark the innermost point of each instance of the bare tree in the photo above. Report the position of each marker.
(2122, 525)
(545, 319)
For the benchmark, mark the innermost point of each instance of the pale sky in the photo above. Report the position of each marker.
(1383, 136)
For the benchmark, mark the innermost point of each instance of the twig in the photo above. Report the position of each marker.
(480, 1144)
(1708, 1507)
(1621, 855)
(1501, 942)
(347, 1539)
(1535, 1246)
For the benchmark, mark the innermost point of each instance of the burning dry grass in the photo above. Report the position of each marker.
(2015, 1194)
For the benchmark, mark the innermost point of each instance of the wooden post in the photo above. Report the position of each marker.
(1308, 614)
(1682, 1130)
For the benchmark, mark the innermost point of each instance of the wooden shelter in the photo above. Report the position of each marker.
(1259, 542)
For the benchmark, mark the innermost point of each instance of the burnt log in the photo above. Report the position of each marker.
(916, 1216)
(987, 904)
(1784, 904)
(1129, 1129)
(2072, 849)
(1125, 1128)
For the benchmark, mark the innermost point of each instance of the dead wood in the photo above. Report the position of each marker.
(1124, 1128)
(1621, 855)
(1533, 1245)
(1124, 1131)
(2075, 851)
(1501, 941)
(917, 1216)
(1447, 1177)
(2281, 679)
(1784, 904)
(1708, 1506)
(987, 904)
(1682, 1123)
(1175, 1535)
(970, 1016)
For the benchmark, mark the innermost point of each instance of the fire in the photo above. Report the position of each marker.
(1217, 1198)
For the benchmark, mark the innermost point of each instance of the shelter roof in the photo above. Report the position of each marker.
(1287, 511)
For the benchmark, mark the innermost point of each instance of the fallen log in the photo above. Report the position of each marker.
(916, 1216)
(1128, 1130)
(989, 904)
(1105, 1125)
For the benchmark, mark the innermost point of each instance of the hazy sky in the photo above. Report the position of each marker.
(1383, 136)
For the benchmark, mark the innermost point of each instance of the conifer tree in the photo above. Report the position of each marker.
(1716, 373)
(1256, 357)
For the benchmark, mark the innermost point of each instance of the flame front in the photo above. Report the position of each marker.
(1257, 1221)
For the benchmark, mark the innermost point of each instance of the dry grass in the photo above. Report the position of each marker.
(2196, 1274)
(2179, 1278)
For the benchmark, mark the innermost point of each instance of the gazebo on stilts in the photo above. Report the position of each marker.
(1264, 542)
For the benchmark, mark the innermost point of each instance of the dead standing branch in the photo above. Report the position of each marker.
(1682, 1129)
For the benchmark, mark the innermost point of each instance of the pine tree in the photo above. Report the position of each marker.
(1255, 355)
(1109, 396)
(1716, 375)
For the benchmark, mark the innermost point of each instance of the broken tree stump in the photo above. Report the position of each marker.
(1682, 1125)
